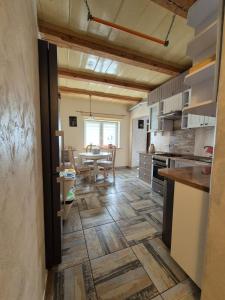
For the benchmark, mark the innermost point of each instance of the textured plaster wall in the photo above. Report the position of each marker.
(22, 271)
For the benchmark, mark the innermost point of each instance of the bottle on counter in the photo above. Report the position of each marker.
(151, 148)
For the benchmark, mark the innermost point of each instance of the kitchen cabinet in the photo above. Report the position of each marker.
(173, 103)
(190, 217)
(153, 120)
(168, 89)
(145, 167)
(197, 121)
(165, 125)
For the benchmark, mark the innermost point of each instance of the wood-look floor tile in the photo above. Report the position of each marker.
(131, 196)
(113, 198)
(121, 211)
(185, 290)
(75, 283)
(89, 201)
(120, 276)
(104, 239)
(74, 249)
(95, 217)
(143, 205)
(73, 223)
(137, 229)
(155, 218)
(162, 269)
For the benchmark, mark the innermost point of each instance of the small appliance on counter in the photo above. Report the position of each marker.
(151, 149)
(208, 150)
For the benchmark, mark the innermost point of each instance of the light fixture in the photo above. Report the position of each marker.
(91, 117)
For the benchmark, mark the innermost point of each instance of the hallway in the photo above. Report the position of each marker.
(112, 247)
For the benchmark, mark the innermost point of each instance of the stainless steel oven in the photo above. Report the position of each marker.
(157, 180)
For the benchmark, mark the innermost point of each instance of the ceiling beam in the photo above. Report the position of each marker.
(68, 90)
(178, 7)
(104, 79)
(69, 39)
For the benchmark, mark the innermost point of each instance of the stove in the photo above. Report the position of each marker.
(159, 161)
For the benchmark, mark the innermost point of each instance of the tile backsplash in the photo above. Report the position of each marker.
(191, 141)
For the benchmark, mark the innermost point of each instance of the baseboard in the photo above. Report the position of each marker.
(46, 282)
(49, 294)
(122, 167)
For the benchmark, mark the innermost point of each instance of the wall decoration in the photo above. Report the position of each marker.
(140, 124)
(73, 121)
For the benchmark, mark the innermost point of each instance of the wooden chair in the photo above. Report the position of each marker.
(79, 167)
(89, 148)
(109, 164)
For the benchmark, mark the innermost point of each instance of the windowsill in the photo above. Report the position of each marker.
(117, 148)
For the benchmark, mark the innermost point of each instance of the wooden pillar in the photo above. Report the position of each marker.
(213, 285)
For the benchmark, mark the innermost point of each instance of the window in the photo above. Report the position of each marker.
(101, 133)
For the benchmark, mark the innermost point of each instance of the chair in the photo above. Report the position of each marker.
(89, 148)
(109, 164)
(80, 168)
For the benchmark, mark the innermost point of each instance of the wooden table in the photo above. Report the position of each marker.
(95, 158)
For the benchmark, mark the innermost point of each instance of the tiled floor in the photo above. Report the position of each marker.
(112, 246)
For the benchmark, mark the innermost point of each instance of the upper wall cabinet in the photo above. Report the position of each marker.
(168, 89)
(206, 18)
(172, 104)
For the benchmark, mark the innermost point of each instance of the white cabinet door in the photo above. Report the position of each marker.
(197, 121)
(209, 121)
(177, 102)
(191, 121)
(172, 104)
(190, 218)
(166, 106)
(212, 121)
(201, 121)
(154, 111)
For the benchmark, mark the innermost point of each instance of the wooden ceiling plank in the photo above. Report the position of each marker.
(178, 7)
(69, 39)
(69, 90)
(104, 79)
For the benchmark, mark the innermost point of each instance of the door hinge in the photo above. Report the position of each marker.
(59, 133)
(60, 213)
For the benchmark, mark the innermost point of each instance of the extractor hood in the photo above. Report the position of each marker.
(174, 115)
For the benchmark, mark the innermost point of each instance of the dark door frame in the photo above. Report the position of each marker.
(48, 78)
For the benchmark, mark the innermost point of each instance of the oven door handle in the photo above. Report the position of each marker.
(159, 163)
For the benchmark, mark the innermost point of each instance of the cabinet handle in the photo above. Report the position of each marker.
(201, 124)
(206, 123)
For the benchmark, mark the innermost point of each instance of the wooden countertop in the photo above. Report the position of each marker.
(197, 177)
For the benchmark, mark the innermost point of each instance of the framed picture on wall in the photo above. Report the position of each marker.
(73, 121)
(140, 124)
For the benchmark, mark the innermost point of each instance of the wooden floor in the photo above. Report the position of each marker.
(112, 246)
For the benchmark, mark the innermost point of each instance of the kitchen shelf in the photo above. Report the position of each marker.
(200, 11)
(204, 40)
(201, 74)
(206, 108)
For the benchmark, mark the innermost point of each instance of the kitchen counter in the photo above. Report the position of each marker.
(145, 153)
(197, 177)
(182, 157)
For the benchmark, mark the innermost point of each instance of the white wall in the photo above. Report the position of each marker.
(142, 111)
(139, 139)
(22, 257)
(74, 136)
(203, 137)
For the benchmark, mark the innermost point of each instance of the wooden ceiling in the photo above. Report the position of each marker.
(110, 61)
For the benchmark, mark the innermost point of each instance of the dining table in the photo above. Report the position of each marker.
(95, 157)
